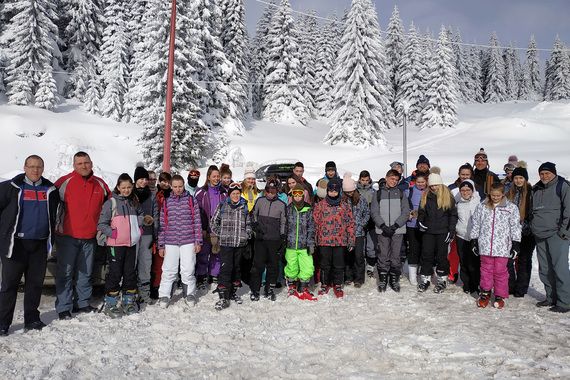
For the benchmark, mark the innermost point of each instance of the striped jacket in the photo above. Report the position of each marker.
(180, 221)
(231, 223)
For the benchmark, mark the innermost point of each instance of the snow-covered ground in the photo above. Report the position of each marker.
(364, 335)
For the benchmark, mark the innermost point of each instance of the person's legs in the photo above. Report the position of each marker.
(384, 252)
(169, 270)
(394, 257)
(115, 265)
(34, 274)
(68, 249)
(545, 270)
(338, 265)
(12, 270)
(85, 258)
(258, 265)
(359, 263)
(292, 267)
(442, 264)
(187, 266)
(129, 270)
(525, 265)
(501, 277)
(558, 250)
(428, 254)
(487, 268)
(144, 264)
(325, 263)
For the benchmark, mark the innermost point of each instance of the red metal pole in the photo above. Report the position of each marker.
(169, 91)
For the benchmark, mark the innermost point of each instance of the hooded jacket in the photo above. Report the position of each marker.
(300, 227)
(232, 223)
(393, 208)
(269, 218)
(334, 225)
(127, 221)
(180, 221)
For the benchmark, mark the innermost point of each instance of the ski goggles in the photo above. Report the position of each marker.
(234, 186)
(298, 193)
(194, 173)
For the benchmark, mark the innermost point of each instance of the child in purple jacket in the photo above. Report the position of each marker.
(179, 240)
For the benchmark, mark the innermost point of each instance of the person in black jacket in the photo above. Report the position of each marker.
(482, 176)
(28, 208)
(437, 217)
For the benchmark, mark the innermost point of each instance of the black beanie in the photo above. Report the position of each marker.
(140, 172)
(548, 166)
(423, 160)
(330, 165)
(520, 171)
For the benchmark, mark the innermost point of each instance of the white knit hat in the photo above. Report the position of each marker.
(249, 172)
(434, 179)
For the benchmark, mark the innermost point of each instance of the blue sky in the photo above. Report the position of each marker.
(513, 20)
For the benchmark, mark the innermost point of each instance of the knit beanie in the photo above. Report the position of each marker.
(434, 179)
(322, 188)
(548, 166)
(423, 160)
(469, 183)
(348, 184)
(330, 165)
(522, 172)
(395, 164)
(513, 160)
(249, 172)
(481, 154)
(140, 172)
(334, 184)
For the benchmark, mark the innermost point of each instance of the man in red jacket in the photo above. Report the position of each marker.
(82, 195)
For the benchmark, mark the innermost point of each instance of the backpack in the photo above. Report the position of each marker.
(101, 237)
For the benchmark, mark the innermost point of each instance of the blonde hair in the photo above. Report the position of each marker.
(444, 198)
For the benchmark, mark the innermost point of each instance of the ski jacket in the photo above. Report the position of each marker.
(269, 218)
(361, 214)
(484, 179)
(232, 223)
(205, 202)
(250, 197)
(300, 227)
(12, 196)
(525, 224)
(126, 220)
(465, 210)
(81, 199)
(367, 192)
(551, 209)
(496, 229)
(334, 225)
(414, 196)
(437, 220)
(180, 221)
(390, 207)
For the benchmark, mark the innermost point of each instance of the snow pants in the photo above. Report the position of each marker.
(470, 273)
(121, 269)
(156, 269)
(266, 256)
(144, 263)
(230, 271)
(332, 265)
(494, 275)
(207, 263)
(553, 269)
(371, 247)
(389, 259)
(434, 250)
(173, 256)
(519, 271)
(453, 259)
(299, 265)
(354, 262)
(414, 245)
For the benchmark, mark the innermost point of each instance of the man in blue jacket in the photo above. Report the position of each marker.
(28, 206)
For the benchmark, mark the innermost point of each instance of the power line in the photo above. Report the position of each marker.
(404, 34)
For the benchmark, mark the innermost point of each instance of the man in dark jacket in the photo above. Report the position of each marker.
(550, 225)
(298, 171)
(482, 176)
(28, 207)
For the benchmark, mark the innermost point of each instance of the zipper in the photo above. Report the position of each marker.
(297, 230)
(493, 230)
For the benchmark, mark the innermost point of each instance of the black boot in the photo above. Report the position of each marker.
(224, 301)
(233, 294)
(382, 282)
(395, 282)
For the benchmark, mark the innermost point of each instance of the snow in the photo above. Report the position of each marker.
(365, 335)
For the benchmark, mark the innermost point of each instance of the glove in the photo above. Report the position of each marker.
(148, 220)
(475, 247)
(113, 234)
(422, 227)
(311, 250)
(215, 241)
(450, 236)
(387, 231)
(515, 249)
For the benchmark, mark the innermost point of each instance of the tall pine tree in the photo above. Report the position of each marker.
(532, 79)
(324, 69)
(558, 73)
(308, 31)
(494, 73)
(394, 49)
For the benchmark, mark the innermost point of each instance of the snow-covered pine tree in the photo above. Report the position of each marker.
(308, 30)
(532, 79)
(511, 84)
(324, 69)
(84, 34)
(464, 85)
(363, 111)
(412, 78)
(394, 43)
(32, 40)
(114, 59)
(559, 71)
(93, 92)
(259, 59)
(476, 74)
(283, 98)
(494, 73)
(441, 99)
(46, 94)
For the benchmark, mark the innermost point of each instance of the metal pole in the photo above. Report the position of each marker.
(405, 142)
(169, 92)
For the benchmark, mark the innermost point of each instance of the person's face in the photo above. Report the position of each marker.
(177, 187)
(496, 196)
(423, 167)
(250, 181)
(364, 181)
(142, 183)
(83, 166)
(391, 181)
(434, 188)
(291, 183)
(125, 188)
(226, 179)
(330, 173)
(152, 180)
(421, 183)
(519, 181)
(271, 193)
(466, 192)
(481, 163)
(214, 178)
(332, 193)
(298, 197)
(349, 193)
(34, 169)
(546, 176)
(509, 174)
(235, 196)
(464, 174)
(298, 171)
(164, 184)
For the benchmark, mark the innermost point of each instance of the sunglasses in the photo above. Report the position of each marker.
(235, 185)
(481, 159)
(298, 193)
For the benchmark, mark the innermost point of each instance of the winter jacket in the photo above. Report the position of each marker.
(550, 212)
(437, 221)
(269, 218)
(11, 198)
(496, 229)
(127, 221)
(465, 209)
(411, 180)
(150, 207)
(392, 209)
(334, 225)
(484, 179)
(414, 196)
(366, 192)
(525, 224)
(250, 197)
(205, 203)
(180, 221)
(300, 227)
(232, 223)
(361, 214)
(80, 205)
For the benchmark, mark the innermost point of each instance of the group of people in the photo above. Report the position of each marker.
(225, 233)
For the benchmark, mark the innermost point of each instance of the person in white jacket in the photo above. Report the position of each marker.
(467, 200)
(497, 234)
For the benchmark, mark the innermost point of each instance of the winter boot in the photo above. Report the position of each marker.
(144, 293)
(424, 283)
(201, 282)
(254, 296)
(163, 302)
(413, 274)
(369, 271)
(233, 293)
(112, 308)
(441, 284)
(129, 304)
(382, 282)
(270, 292)
(154, 293)
(394, 280)
(306, 294)
(324, 289)
(499, 302)
(338, 292)
(224, 301)
(189, 299)
(292, 288)
(484, 298)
